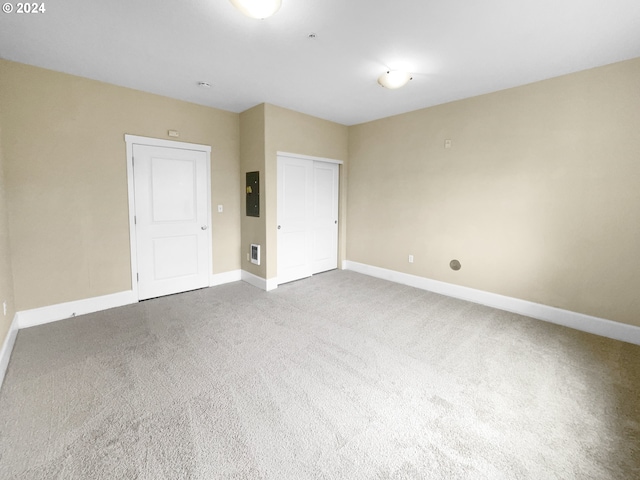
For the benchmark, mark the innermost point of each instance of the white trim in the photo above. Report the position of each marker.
(209, 215)
(254, 280)
(272, 284)
(225, 277)
(133, 256)
(309, 157)
(158, 142)
(259, 282)
(132, 140)
(60, 311)
(567, 318)
(7, 347)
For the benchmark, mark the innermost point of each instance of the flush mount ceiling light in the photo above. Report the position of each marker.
(257, 8)
(394, 79)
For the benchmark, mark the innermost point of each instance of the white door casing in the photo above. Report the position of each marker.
(170, 204)
(307, 216)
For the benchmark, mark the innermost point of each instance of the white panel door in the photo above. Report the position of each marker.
(294, 203)
(307, 217)
(324, 218)
(172, 218)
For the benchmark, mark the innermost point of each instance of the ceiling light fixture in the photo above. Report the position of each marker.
(257, 8)
(394, 79)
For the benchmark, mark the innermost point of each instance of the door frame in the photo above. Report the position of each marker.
(299, 156)
(132, 140)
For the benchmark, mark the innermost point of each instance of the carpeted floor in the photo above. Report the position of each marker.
(340, 376)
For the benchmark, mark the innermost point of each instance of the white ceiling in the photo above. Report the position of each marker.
(455, 48)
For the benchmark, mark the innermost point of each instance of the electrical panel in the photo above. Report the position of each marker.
(253, 194)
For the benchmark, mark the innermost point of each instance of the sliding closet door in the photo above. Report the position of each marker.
(295, 197)
(324, 220)
(307, 217)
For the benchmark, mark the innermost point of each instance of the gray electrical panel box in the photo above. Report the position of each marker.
(253, 194)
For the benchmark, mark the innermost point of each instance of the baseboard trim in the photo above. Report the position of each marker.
(567, 318)
(272, 284)
(60, 311)
(216, 279)
(259, 282)
(7, 347)
(254, 280)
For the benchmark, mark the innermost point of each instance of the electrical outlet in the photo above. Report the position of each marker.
(410, 258)
(248, 257)
(4, 308)
(447, 143)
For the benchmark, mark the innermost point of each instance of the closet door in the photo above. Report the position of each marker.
(307, 217)
(295, 197)
(324, 219)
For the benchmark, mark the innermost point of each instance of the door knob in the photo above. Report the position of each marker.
(204, 227)
(278, 227)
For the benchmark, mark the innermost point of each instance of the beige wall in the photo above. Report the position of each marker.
(6, 279)
(66, 183)
(264, 130)
(293, 132)
(252, 160)
(538, 197)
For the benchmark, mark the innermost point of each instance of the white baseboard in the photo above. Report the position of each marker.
(254, 280)
(7, 347)
(259, 282)
(60, 311)
(567, 318)
(225, 277)
(272, 284)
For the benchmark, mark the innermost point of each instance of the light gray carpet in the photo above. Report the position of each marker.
(340, 376)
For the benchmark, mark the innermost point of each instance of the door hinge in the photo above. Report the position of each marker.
(137, 277)
(135, 220)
